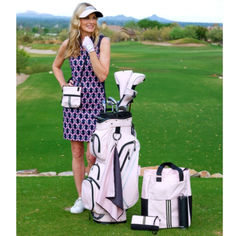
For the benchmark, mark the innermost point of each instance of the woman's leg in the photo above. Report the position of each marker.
(77, 149)
(90, 158)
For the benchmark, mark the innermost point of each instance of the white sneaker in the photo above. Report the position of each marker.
(78, 206)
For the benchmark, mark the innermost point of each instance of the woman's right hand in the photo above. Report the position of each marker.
(71, 83)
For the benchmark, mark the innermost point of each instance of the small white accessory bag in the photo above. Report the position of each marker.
(145, 223)
(71, 97)
(166, 193)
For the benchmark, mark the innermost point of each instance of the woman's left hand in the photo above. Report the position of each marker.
(88, 44)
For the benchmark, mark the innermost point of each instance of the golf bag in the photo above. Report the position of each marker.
(112, 184)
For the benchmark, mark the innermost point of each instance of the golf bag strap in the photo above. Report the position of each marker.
(172, 166)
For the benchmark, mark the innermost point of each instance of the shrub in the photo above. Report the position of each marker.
(106, 32)
(165, 33)
(119, 36)
(27, 38)
(151, 34)
(21, 60)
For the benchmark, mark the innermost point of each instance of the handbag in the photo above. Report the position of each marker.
(71, 97)
(166, 193)
(145, 223)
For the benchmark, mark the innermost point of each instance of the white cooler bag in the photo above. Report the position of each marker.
(166, 193)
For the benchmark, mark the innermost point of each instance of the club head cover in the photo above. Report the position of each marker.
(135, 79)
(122, 79)
(127, 98)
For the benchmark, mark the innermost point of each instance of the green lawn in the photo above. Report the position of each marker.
(177, 112)
(177, 115)
(41, 203)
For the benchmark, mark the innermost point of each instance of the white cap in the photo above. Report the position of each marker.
(89, 10)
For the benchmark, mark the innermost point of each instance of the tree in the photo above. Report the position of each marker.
(190, 31)
(145, 24)
(35, 30)
(215, 35)
(201, 33)
(63, 35)
(45, 30)
(177, 33)
(130, 24)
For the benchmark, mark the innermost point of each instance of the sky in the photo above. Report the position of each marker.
(177, 10)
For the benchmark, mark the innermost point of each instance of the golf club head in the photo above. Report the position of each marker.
(111, 103)
(122, 79)
(135, 79)
(111, 99)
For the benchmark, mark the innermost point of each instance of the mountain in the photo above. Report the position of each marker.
(33, 14)
(30, 17)
(121, 19)
(159, 19)
(116, 20)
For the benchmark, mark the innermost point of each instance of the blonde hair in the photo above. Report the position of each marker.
(73, 47)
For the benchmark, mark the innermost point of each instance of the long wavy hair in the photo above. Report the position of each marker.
(73, 47)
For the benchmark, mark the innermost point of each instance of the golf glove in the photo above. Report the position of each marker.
(88, 44)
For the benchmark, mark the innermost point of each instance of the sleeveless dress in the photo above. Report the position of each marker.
(80, 123)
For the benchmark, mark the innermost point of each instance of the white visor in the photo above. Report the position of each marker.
(89, 10)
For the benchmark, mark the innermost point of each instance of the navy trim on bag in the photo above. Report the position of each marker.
(171, 165)
(144, 207)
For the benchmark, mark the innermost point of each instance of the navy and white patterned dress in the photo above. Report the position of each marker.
(80, 123)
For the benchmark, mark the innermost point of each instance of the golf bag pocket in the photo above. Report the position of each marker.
(99, 144)
(96, 171)
(90, 188)
(166, 193)
(128, 156)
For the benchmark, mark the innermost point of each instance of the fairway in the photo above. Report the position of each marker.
(178, 118)
(177, 113)
(41, 203)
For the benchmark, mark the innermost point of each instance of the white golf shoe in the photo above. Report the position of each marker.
(78, 206)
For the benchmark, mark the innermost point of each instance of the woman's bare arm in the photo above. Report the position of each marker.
(101, 65)
(57, 64)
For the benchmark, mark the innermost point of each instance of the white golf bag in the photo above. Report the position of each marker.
(112, 184)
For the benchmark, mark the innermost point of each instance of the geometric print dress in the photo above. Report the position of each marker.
(79, 123)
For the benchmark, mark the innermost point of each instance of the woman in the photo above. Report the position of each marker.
(89, 56)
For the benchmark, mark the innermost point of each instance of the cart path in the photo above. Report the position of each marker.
(37, 51)
(172, 44)
(20, 78)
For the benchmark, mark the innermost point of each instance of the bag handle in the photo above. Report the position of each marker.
(172, 166)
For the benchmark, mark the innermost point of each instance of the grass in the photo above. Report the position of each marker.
(177, 112)
(187, 40)
(38, 64)
(177, 115)
(52, 46)
(41, 203)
